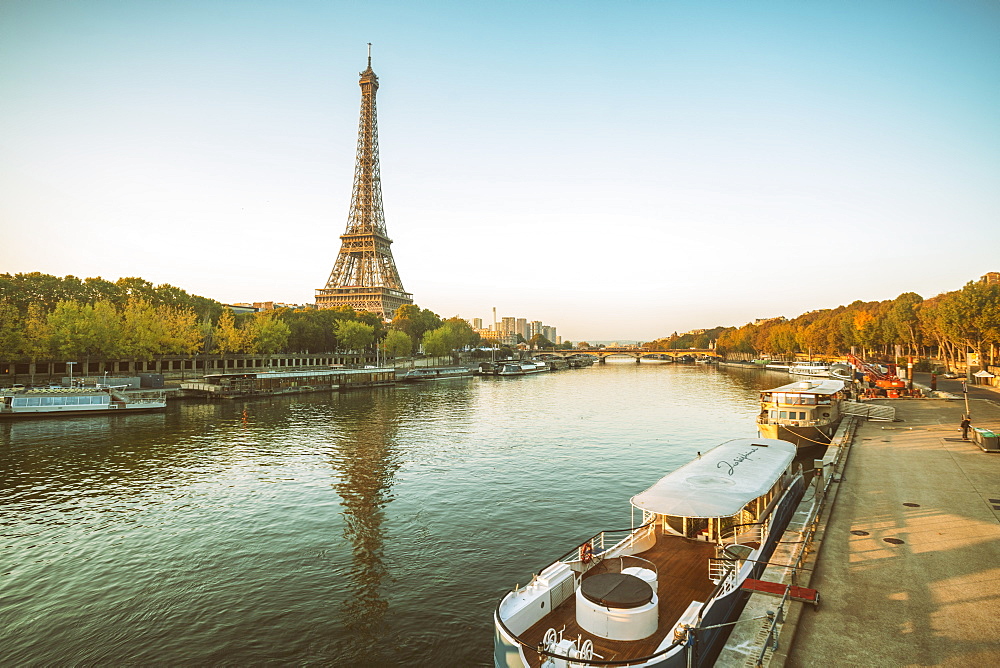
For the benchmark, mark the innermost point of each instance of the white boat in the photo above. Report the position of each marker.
(77, 401)
(657, 594)
(521, 368)
(778, 365)
(805, 412)
(842, 371)
(810, 369)
(434, 373)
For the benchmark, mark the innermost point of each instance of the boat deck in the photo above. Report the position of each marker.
(682, 567)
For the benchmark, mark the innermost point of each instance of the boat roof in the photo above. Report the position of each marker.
(721, 481)
(819, 386)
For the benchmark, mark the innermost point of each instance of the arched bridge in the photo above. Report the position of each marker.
(638, 354)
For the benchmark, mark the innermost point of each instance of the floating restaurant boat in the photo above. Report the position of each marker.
(805, 412)
(520, 368)
(49, 402)
(434, 373)
(655, 595)
(263, 383)
(810, 369)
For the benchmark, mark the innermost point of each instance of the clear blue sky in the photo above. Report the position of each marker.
(618, 169)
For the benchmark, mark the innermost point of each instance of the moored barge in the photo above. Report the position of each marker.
(805, 412)
(99, 400)
(656, 594)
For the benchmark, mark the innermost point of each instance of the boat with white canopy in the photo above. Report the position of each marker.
(655, 594)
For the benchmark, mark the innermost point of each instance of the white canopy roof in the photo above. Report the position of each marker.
(721, 481)
(825, 386)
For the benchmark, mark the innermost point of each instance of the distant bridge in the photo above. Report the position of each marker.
(638, 354)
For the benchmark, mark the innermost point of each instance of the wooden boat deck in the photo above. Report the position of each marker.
(682, 567)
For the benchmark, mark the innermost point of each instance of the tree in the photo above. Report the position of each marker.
(462, 334)
(72, 334)
(10, 332)
(267, 333)
(181, 332)
(397, 344)
(142, 330)
(409, 318)
(353, 335)
(903, 319)
(539, 341)
(438, 342)
(583, 345)
(226, 336)
(37, 340)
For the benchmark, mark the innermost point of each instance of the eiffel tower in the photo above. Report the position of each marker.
(364, 276)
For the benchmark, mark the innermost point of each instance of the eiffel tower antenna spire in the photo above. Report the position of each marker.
(364, 276)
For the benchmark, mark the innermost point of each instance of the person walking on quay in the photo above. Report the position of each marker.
(966, 423)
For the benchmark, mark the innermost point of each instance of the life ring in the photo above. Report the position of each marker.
(587, 553)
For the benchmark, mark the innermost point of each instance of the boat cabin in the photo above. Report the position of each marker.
(803, 403)
(723, 494)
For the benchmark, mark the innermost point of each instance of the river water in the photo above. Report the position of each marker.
(367, 528)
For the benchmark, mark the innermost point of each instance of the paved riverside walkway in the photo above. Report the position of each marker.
(933, 597)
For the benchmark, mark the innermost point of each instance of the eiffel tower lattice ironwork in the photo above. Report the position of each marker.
(364, 276)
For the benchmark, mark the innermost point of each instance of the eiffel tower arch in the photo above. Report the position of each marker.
(364, 276)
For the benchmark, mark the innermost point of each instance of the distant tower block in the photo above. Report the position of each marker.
(364, 276)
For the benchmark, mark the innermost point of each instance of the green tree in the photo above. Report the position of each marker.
(142, 330)
(10, 332)
(438, 342)
(353, 335)
(226, 336)
(268, 333)
(397, 344)
(414, 321)
(539, 341)
(36, 343)
(181, 333)
(106, 330)
(71, 325)
(462, 334)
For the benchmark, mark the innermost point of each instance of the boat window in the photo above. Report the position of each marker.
(783, 414)
(20, 401)
(802, 415)
(774, 414)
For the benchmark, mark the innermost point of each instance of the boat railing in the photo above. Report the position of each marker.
(764, 419)
(541, 651)
(751, 532)
(619, 564)
(604, 541)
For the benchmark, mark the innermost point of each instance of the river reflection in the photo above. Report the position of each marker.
(372, 527)
(366, 460)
